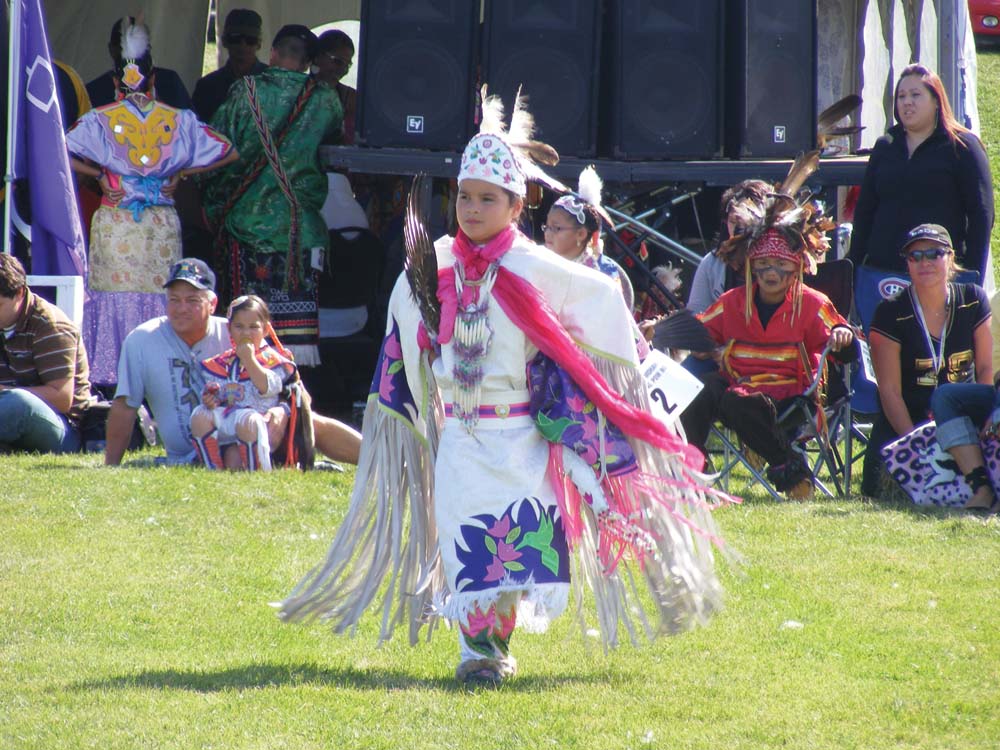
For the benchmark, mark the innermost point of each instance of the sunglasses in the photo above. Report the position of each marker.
(933, 253)
(782, 272)
(246, 39)
(338, 60)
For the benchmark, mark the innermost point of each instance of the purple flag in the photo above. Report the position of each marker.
(40, 154)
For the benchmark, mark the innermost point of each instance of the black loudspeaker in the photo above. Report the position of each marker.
(416, 76)
(662, 88)
(771, 80)
(550, 48)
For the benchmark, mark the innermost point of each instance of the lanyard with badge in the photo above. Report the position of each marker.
(937, 358)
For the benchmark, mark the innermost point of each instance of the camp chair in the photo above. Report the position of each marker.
(825, 440)
(350, 280)
(298, 449)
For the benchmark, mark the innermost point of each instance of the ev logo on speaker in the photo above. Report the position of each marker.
(415, 124)
(779, 133)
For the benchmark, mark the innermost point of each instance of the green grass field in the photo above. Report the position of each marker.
(988, 98)
(134, 614)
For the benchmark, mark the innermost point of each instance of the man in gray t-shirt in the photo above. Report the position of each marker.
(159, 367)
(160, 362)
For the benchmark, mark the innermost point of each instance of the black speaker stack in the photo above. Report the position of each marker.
(623, 79)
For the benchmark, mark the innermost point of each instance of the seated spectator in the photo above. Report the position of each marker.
(105, 89)
(772, 332)
(244, 382)
(333, 61)
(160, 364)
(742, 204)
(241, 36)
(43, 371)
(933, 332)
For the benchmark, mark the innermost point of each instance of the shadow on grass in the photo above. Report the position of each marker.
(260, 676)
(896, 502)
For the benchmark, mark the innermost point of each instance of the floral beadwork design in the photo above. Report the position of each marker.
(564, 415)
(488, 158)
(389, 382)
(488, 633)
(526, 543)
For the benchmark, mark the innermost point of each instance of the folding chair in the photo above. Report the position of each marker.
(818, 440)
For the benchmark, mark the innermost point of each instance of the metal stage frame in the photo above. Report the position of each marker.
(647, 191)
(833, 171)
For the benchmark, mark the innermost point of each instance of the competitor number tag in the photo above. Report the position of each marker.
(866, 361)
(671, 388)
(317, 259)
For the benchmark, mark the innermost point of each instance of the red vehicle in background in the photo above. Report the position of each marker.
(985, 15)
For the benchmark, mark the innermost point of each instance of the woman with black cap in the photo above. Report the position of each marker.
(933, 332)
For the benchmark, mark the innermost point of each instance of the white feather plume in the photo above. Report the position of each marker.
(519, 137)
(492, 121)
(522, 124)
(590, 186)
(135, 40)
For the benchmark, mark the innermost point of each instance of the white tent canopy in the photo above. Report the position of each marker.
(861, 47)
(79, 29)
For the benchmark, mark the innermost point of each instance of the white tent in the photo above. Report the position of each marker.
(79, 29)
(861, 47)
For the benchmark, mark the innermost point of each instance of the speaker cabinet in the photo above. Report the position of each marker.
(551, 49)
(416, 77)
(662, 90)
(771, 78)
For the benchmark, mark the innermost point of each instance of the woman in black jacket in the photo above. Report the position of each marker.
(926, 169)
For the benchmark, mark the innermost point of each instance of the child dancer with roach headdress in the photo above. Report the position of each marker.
(771, 332)
(498, 455)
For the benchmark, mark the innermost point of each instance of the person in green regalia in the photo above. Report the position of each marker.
(265, 209)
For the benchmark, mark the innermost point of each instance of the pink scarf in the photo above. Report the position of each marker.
(531, 312)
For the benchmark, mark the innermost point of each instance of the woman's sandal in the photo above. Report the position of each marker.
(985, 510)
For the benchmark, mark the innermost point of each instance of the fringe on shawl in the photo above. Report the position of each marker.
(388, 540)
(667, 503)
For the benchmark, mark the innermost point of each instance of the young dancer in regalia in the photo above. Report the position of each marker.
(501, 466)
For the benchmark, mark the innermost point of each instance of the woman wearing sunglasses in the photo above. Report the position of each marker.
(332, 63)
(933, 332)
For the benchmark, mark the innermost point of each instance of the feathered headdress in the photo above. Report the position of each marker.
(508, 157)
(790, 226)
(587, 199)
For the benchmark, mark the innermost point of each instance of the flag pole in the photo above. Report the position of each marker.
(13, 81)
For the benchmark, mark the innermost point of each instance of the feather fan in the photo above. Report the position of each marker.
(837, 111)
(682, 330)
(421, 260)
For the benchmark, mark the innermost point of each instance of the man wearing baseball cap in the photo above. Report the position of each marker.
(272, 237)
(160, 363)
